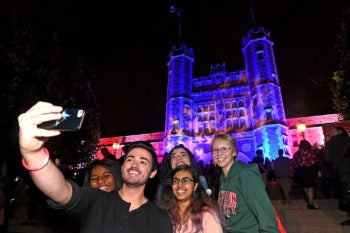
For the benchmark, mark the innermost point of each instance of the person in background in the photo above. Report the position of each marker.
(259, 160)
(188, 205)
(123, 210)
(343, 174)
(328, 181)
(104, 174)
(243, 199)
(305, 170)
(282, 174)
(66, 169)
(179, 155)
(214, 173)
(106, 154)
(270, 169)
(334, 151)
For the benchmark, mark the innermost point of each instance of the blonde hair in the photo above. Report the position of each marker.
(228, 138)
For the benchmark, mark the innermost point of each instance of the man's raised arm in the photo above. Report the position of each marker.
(46, 176)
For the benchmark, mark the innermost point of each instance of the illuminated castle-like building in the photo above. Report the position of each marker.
(246, 104)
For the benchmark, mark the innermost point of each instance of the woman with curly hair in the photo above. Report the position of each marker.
(189, 207)
(104, 174)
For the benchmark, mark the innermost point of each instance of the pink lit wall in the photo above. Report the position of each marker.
(156, 139)
(314, 130)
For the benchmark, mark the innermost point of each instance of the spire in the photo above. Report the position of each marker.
(179, 14)
(252, 12)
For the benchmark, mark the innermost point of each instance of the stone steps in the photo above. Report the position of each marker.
(296, 218)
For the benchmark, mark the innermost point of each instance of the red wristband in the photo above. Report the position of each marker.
(45, 162)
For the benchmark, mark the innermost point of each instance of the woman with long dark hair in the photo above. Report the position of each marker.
(104, 174)
(189, 207)
(179, 155)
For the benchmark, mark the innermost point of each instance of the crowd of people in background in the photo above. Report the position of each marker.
(225, 195)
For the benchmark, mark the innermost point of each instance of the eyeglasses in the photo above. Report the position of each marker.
(184, 180)
(221, 150)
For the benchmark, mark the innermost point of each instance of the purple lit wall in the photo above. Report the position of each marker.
(246, 102)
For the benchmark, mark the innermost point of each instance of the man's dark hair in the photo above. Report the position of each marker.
(147, 146)
(259, 152)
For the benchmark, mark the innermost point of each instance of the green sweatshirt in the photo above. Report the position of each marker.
(244, 202)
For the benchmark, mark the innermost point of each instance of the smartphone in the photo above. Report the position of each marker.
(71, 120)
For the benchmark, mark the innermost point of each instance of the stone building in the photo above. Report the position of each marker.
(246, 104)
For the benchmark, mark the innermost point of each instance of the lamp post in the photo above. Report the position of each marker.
(301, 129)
(115, 146)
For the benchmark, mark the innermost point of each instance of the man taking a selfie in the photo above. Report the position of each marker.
(124, 210)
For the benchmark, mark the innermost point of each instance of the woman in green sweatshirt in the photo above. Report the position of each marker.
(242, 196)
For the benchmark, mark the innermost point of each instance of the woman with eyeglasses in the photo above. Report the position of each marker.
(243, 200)
(189, 207)
(179, 155)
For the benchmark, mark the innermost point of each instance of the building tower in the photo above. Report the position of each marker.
(179, 105)
(265, 100)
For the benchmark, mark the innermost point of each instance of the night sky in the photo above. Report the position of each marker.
(128, 42)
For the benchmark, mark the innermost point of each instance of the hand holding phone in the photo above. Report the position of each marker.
(71, 120)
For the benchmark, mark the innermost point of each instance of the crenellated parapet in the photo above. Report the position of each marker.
(219, 80)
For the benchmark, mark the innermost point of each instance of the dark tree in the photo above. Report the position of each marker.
(341, 80)
(34, 67)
